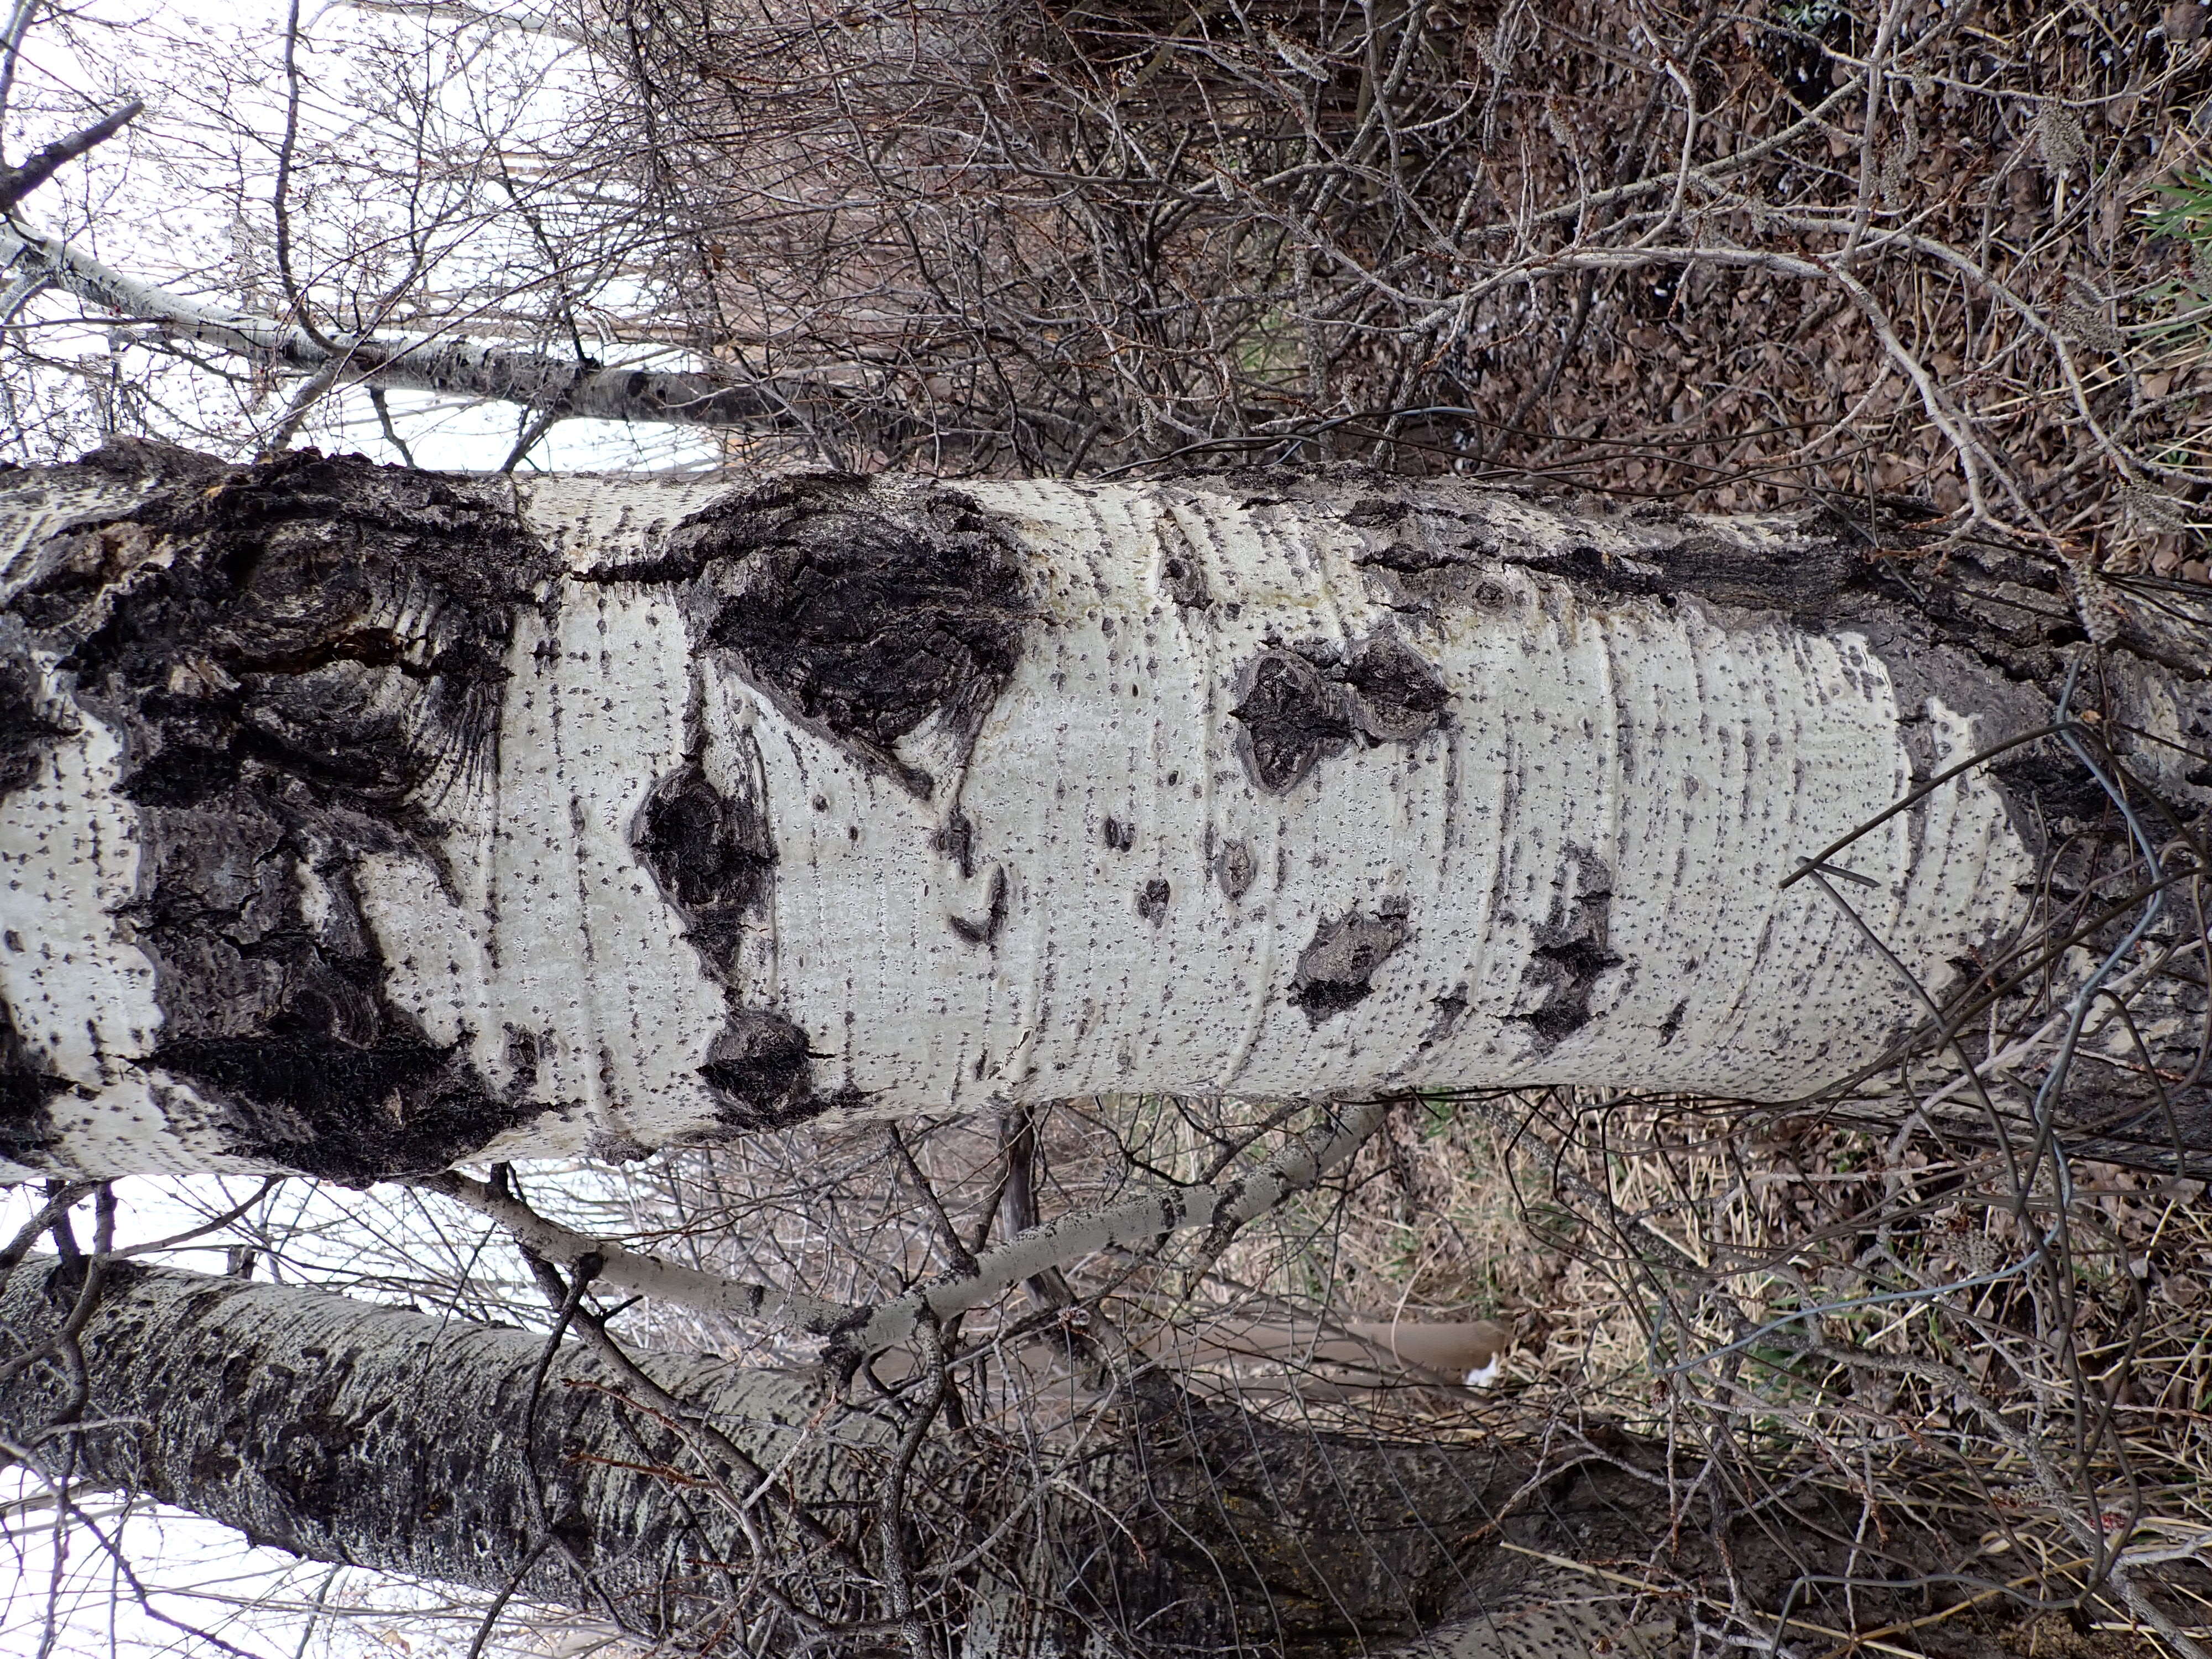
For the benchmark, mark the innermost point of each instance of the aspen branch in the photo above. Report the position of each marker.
(16, 183)
(1133, 1223)
(634, 1270)
(450, 366)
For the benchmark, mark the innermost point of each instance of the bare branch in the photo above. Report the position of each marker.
(1136, 1223)
(634, 1270)
(16, 183)
(453, 366)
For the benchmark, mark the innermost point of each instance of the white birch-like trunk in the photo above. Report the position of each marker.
(637, 810)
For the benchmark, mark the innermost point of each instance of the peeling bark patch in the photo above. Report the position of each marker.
(711, 854)
(1296, 712)
(318, 659)
(1572, 952)
(1337, 970)
(760, 1072)
(861, 612)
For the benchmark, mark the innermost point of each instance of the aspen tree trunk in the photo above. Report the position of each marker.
(386, 1438)
(357, 821)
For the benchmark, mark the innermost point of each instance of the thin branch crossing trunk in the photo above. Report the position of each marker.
(450, 365)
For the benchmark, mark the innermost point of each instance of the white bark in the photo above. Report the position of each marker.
(1571, 874)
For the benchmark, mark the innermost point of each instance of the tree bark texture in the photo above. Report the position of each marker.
(356, 820)
(409, 1442)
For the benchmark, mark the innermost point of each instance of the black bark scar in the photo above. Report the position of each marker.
(1152, 900)
(1572, 953)
(1292, 716)
(1395, 695)
(321, 650)
(1337, 970)
(1234, 867)
(761, 1072)
(861, 613)
(27, 729)
(712, 852)
(986, 931)
(27, 1093)
(1296, 712)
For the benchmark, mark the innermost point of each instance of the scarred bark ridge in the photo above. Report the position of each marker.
(383, 1437)
(864, 610)
(300, 662)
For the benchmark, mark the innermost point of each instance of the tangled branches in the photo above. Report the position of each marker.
(1853, 250)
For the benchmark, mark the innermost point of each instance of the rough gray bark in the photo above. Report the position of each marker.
(1164, 1525)
(395, 1440)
